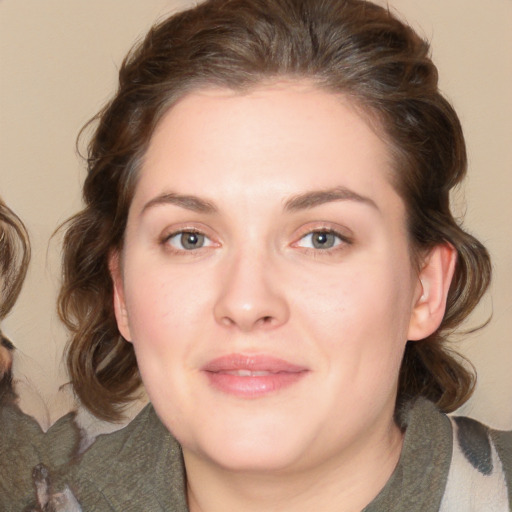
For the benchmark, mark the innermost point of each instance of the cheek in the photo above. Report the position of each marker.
(167, 311)
(164, 327)
(161, 300)
(359, 319)
(157, 317)
(367, 296)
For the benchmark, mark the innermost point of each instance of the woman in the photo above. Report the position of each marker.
(267, 245)
(14, 259)
(23, 445)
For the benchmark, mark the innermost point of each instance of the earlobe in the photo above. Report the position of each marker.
(433, 285)
(120, 311)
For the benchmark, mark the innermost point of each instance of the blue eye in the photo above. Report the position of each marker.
(321, 240)
(188, 240)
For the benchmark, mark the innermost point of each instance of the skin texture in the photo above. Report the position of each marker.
(259, 286)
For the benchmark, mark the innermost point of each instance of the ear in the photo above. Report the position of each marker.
(434, 281)
(114, 265)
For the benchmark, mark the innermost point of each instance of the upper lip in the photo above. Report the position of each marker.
(253, 363)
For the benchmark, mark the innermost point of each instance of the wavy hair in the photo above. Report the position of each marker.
(349, 47)
(14, 258)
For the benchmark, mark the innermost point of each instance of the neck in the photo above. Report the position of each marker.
(342, 483)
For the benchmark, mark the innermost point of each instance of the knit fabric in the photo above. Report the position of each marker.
(446, 465)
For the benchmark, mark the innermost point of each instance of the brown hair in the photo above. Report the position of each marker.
(351, 47)
(14, 258)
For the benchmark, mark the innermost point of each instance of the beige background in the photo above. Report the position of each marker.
(59, 60)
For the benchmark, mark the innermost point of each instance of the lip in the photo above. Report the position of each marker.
(252, 376)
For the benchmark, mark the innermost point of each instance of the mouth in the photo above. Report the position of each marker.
(252, 376)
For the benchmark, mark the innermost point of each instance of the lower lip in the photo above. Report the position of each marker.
(253, 386)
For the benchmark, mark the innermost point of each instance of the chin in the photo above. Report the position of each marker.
(251, 448)
(255, 458)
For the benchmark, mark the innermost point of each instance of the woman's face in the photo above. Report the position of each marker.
(266, 281)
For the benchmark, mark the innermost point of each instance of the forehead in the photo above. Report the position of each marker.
(288, 135)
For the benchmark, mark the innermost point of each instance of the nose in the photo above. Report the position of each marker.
(251, 296)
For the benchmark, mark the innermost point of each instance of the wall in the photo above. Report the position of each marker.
(59, 60)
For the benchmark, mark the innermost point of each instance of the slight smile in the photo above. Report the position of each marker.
(252, 376)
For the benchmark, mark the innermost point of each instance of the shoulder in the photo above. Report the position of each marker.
(139, 467)
(448, 464)
(503, 443)
(24, 446)
(480, 469)
(418, 481)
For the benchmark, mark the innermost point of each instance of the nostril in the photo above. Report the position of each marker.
(227, 321)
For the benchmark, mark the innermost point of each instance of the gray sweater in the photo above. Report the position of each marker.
(447, 465)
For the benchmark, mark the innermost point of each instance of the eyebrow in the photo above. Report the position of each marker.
(296, 203)
(192, 203)
(319, 197)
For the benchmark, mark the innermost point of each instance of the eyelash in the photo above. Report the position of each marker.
(167, 240)
(342, 241)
